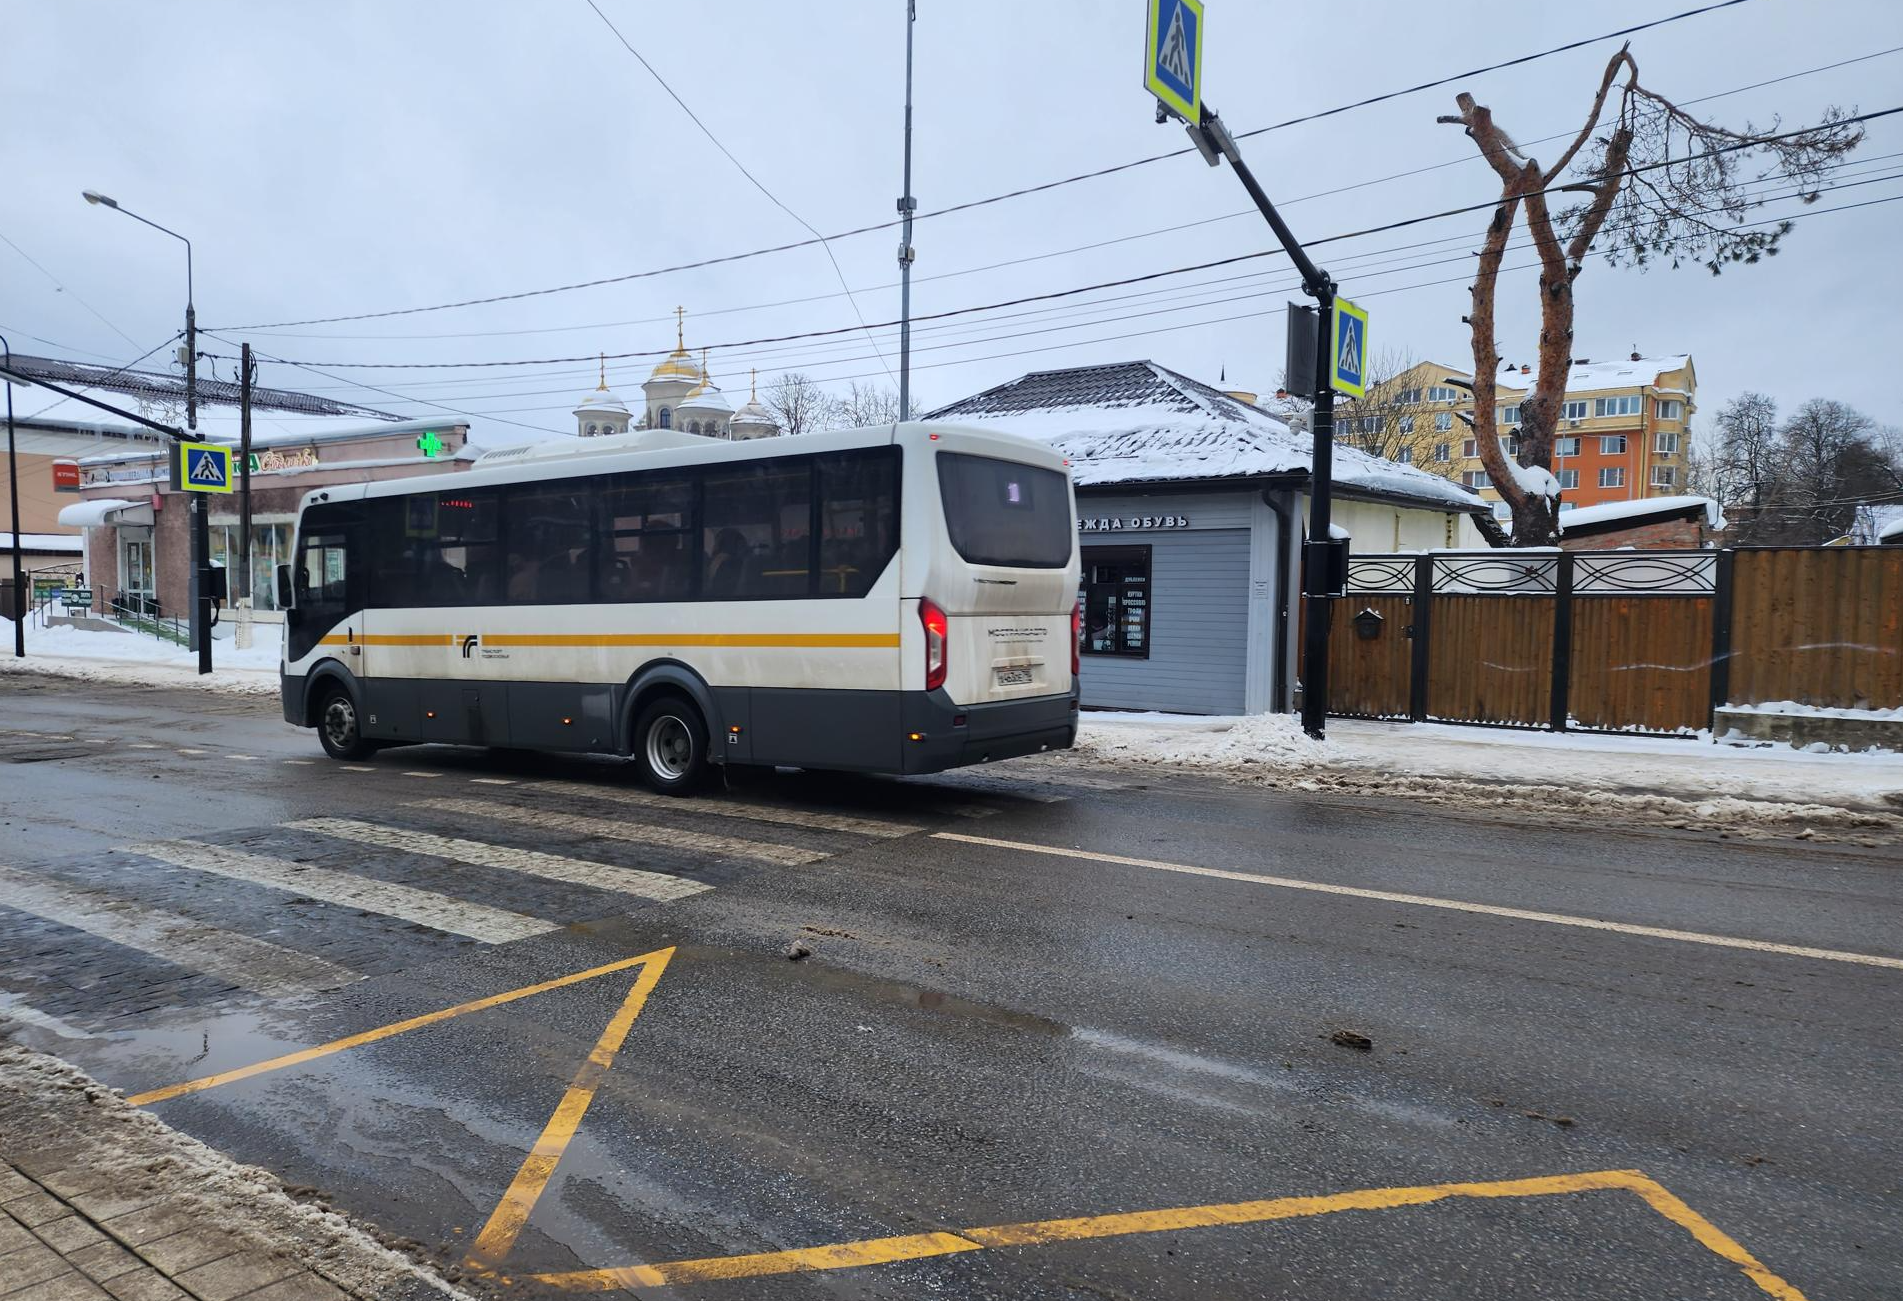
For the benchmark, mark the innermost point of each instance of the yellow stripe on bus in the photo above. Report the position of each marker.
(786, 640)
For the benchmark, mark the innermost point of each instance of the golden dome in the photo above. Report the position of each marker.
(677, 365)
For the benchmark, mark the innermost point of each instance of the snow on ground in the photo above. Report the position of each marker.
(1686, 781)
(70, 652)
(41, 1096)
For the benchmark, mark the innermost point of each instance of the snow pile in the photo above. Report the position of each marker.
(45, 1102)
(1534, 481)
(1619, 510)
(1797, 709)
(1276, 740)
(66, 651)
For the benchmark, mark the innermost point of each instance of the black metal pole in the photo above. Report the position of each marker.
(18, 613)
(1213, 140)
(201, 513)
(244, 492)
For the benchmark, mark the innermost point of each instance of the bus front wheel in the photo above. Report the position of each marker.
(339, 729)
(670, 745)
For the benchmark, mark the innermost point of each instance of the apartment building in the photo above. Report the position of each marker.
(1622, 434)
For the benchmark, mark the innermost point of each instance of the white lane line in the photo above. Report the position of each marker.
(734, 809)
(357, 767)
(302, 763)
(422, 774)
(98, 740)
(193, 752)
(576, 871)
(250, 964)
(143, 745)
(248, 757)
(52, 736)
(493, 781)
(426, 907)
(1452, 905)
(640, 833)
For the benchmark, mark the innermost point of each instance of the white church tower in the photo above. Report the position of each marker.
(601, 412)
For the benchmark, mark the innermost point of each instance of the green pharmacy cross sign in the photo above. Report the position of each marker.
(430, 444)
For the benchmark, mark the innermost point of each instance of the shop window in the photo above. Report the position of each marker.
(1116, 599)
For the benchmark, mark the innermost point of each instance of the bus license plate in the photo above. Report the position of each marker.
(1014, 677)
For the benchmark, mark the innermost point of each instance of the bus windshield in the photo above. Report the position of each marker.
(1005, 513)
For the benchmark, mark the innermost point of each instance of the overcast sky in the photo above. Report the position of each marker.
(336, 159)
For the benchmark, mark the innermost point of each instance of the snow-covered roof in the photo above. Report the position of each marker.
(753, 413)
(601, 399)
(1893, 531)
(63, 542)
(1643, 508)
(708, 399)
(1875, 522)
(101, 511)
(1138, 422)
(1591, 376)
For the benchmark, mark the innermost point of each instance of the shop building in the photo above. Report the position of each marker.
(138, 534)
(1191, 504)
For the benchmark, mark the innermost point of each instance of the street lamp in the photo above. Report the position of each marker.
(200, 592)
(18, 612)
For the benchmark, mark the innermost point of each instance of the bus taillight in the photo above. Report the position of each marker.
(937, 637)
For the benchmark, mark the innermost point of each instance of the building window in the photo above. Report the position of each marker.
(1664, 476)
(1407, 424)
(1470, 448)
(1475, 479)
(1627, 405)
(1670, 409)
(1441, 450)
(1612, 445)
(1574, 410)
(1568, 479)
(1409, 397)
(1667, 443)
(1510, 415)
(1116, 599)
(1443, 421)
(1612, 476)
(667, 418)
(1405, 456)
(1566, 446)
(1442, 393)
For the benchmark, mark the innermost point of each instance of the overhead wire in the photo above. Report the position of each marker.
(57, 285)
(996, 198)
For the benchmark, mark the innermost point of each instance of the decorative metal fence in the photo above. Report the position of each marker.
(1634, 641)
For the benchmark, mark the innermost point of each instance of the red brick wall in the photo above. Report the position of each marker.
(1661, 536)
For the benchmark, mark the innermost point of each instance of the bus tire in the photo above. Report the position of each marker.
(670, 745)
(339, 727)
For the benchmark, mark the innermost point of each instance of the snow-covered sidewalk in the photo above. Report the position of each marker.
(1688, 781)
(136, 657)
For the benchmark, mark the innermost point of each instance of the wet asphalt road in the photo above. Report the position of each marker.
(983, 1034)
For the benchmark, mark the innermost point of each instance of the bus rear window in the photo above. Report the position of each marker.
(1004, 513)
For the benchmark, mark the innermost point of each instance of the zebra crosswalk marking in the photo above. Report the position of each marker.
(252, 964)
(410, 904)
(530, 862)
(640, 833)
(734, 809)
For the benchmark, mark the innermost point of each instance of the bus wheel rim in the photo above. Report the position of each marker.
(340, 722)
(670, 747)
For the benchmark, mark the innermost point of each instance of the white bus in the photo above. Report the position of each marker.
(896, 600)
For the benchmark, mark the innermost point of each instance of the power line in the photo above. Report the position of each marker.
(996, 198)
(695, 118)
(69, 293)
(1401, 224)
(97, 380)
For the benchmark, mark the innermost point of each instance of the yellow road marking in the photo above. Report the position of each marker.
(1430, 901)
(303, 1055)
(921, 1246)
(512, 1212)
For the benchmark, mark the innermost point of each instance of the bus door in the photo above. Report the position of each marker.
(328, 582)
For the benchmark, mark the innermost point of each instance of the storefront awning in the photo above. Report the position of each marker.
(112, 511)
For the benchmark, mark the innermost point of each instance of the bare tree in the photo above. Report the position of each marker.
(864, 405)
(1747, 463)
(1678, 188)
(1394, 420)
(800, 404)
(1830, 464)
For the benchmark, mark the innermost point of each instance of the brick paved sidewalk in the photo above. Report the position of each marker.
(101, 1202)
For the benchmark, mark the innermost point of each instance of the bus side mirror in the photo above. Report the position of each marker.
(285, 596)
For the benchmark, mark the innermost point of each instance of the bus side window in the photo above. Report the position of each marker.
(550, 556)
(757, 531)
(858, 513)
(647, 531)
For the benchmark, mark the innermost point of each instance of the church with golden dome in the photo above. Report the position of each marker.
(681, 394)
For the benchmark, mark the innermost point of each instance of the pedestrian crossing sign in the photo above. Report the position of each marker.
(1173, 57)
(204, 467)
(1348, 350)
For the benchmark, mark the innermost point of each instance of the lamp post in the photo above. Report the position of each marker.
(18, 612)
(200, 587)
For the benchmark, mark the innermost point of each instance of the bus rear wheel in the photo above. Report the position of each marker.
(339, 729)
(670, 745)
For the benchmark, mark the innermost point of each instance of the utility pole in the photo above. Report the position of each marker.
(907, 206)
(243, 638)
(18, 612)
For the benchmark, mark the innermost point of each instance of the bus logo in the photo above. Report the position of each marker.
(470, 643)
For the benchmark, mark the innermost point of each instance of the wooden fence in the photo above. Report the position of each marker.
(1646, 641)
